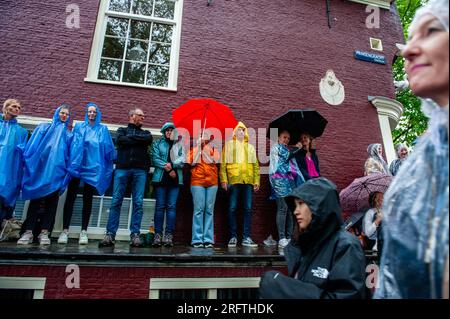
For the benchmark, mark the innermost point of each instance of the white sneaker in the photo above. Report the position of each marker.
(83, 238)
(44, 239)
(283, 243)
(26, 239)
(63, 237)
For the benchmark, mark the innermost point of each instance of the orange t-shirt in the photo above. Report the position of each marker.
(205, 173)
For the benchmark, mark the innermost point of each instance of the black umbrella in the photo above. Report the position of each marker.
(297, 122)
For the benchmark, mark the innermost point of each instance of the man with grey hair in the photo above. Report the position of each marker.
(133, 164)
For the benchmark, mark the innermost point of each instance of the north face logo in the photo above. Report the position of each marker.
(320, 273)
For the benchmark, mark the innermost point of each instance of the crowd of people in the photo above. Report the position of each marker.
(408, 225)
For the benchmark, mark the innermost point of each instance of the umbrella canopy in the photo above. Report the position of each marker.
(300, 121)
(207, 112)
(355, 197)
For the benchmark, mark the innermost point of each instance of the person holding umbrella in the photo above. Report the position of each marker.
(373, 219)
(306, 157)
(203, 159)
(414, 261)
(239, 175)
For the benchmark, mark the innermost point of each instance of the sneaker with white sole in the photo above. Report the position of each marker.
(84, 240)
(233, 242)
(283, 243)
(26, 239)
(44, 239)
(63, 237)
(248, 242)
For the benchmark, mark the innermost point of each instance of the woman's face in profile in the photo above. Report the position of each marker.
(426, 55)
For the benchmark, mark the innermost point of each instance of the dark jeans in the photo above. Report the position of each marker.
(166, 206)
(138, 178)
(88, 194)
(50, 203)
(245, 191)
(284, 219)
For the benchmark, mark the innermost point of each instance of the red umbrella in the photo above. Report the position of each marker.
(199, 114)
(355, 197)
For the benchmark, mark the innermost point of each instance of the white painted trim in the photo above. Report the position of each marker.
(99, 37)
(32, 283)
(389, 113)
(385, 4)
(141, 86)
(97, 41)
(32, 120)
(211, 284)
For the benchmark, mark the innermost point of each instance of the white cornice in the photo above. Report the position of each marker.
(385, 4)
(388, 107)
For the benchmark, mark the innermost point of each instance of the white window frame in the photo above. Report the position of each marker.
(74, 231)
(210, 284)
(37, 284)
(99, 37)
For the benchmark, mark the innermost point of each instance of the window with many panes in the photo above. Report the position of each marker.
(137, 43)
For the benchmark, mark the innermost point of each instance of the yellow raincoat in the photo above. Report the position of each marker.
(239, 164)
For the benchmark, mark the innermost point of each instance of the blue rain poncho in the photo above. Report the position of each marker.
(45, 159)
(415, 225)
(13, 139)
(92, 153)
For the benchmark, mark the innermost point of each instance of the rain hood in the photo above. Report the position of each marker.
(92, 153)
(45, 159)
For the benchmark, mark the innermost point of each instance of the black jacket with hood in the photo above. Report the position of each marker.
(325, 261)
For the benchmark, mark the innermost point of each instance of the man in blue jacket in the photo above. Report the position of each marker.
(324, 261)
(133, 164)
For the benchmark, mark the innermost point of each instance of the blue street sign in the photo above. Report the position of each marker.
(370, 57)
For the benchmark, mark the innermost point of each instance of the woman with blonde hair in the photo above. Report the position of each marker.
(415, 229)
(13, 138)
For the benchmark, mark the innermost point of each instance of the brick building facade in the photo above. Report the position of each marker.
(259, 57)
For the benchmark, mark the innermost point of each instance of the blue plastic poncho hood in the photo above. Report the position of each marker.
(92, 153)
(45, 159)
(13, 139)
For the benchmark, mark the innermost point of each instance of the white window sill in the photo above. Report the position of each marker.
(130, 84)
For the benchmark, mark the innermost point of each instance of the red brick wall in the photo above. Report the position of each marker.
(260, 57)
(118, 282)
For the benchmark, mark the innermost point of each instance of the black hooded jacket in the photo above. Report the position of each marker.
(325, 261)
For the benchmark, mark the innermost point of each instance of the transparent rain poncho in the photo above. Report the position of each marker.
(415, 207)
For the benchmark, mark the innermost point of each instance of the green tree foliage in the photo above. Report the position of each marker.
(413, 122)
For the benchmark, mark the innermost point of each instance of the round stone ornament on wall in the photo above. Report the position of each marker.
(331, 89)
